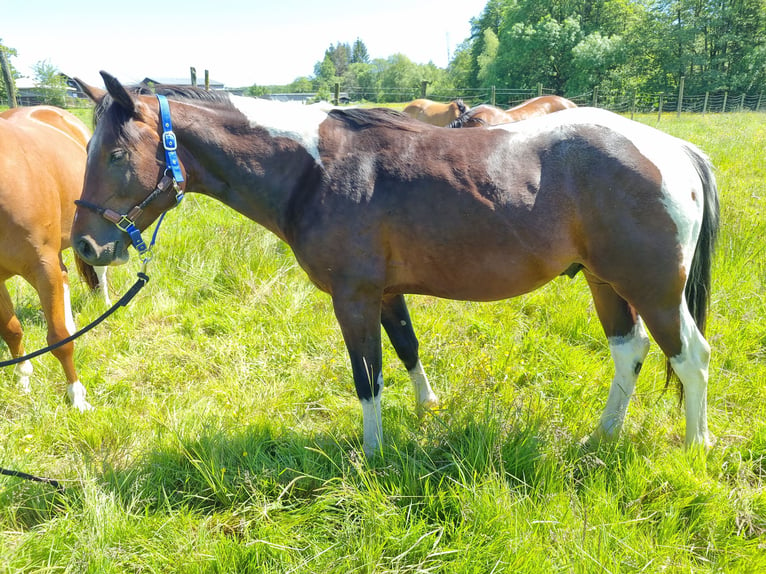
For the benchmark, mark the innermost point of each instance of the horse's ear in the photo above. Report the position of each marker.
(95, 94)
(119, 94)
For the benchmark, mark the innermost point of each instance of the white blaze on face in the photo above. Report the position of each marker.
(285, 119)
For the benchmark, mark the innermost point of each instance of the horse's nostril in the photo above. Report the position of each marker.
(84, 248)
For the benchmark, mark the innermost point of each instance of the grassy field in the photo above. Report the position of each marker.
(226, 428)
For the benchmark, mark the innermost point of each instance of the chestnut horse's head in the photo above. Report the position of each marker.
(125, 177)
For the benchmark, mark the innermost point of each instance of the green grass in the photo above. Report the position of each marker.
(226, 431)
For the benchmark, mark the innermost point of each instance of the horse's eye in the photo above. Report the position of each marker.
(117, 156)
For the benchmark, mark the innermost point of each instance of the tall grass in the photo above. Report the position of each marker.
(226, 429)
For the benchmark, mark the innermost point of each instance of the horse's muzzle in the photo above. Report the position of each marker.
(113, 253)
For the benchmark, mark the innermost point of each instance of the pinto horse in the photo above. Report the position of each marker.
(435, 113)
(42, 165)
(375, 205)
(487, 115)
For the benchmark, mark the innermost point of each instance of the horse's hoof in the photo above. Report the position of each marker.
(430, 405)
(76, 393)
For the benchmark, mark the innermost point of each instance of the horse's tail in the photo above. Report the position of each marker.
(698, 282)
(699, 279)
(87, 273)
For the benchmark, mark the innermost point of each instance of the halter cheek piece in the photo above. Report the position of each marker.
(171, 179)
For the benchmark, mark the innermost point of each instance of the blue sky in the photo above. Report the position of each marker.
(241, 42)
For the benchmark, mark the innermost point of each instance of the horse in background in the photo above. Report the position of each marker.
(487, 115)
(436, 113)
(42, 167)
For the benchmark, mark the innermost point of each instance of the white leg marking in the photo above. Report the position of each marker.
(76, 392)
(101, 274)
(628, 354)
(68, 317)
(425, 398)
(691, 366)
(23, 372)
(373, 422)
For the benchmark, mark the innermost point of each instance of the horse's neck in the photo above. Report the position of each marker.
(231, 163)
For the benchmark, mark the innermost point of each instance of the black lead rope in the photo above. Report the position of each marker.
(143, 278)
(26, 476)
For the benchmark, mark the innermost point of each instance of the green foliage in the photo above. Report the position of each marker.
(226, 431)
(574, 46)
(51, 85)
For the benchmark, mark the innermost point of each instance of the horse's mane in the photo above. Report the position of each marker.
(362, 118)
(172, 92)
(465, 116)
(460, 105)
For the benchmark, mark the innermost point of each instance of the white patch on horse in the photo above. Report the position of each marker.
(76, 393)
(23, 373)
(628, 354)
(285, 119)
(683, 195)
(372, 421)
(425, 398)
(68, 316)
(691, 366)
(102, 284)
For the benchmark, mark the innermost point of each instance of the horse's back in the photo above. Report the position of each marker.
(42, 167)
(54, 118)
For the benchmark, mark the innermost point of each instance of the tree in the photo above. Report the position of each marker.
(359, 53)
(7, 86)
(50, 83)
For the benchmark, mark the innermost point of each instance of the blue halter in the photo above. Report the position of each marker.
(172, 177)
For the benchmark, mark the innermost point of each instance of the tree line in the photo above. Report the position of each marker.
(572, 47)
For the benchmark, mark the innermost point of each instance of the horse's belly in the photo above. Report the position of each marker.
(481, 278)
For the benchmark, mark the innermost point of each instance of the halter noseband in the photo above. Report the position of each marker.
(171, 178)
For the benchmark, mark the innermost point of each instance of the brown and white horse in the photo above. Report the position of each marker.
(376, 205)
(487, 115)
(42, 165)
(435, 113)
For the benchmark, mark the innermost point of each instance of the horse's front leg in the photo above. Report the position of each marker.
(358, 314)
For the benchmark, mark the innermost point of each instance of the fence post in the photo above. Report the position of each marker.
(758, 105)
(704, 106)
(193, 74)
(725, 97)
(336, 96)
(423, 87)
(207, 80)
(9, 83)
(633, 105)
(539, 89)
(492, 95)
(680, 95)
(742, 102)
(659, 114)
(595, 97)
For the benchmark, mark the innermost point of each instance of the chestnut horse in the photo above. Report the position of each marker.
(487, 115)
(42, 165)
(435, 113)
(375, 205)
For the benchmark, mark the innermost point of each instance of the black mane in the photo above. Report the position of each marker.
(361, 118)
(172, 92)
(465, 116)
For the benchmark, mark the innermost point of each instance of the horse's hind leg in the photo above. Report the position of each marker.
(12, 334)
(689, 355)
(396, 321)
(629, 345)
